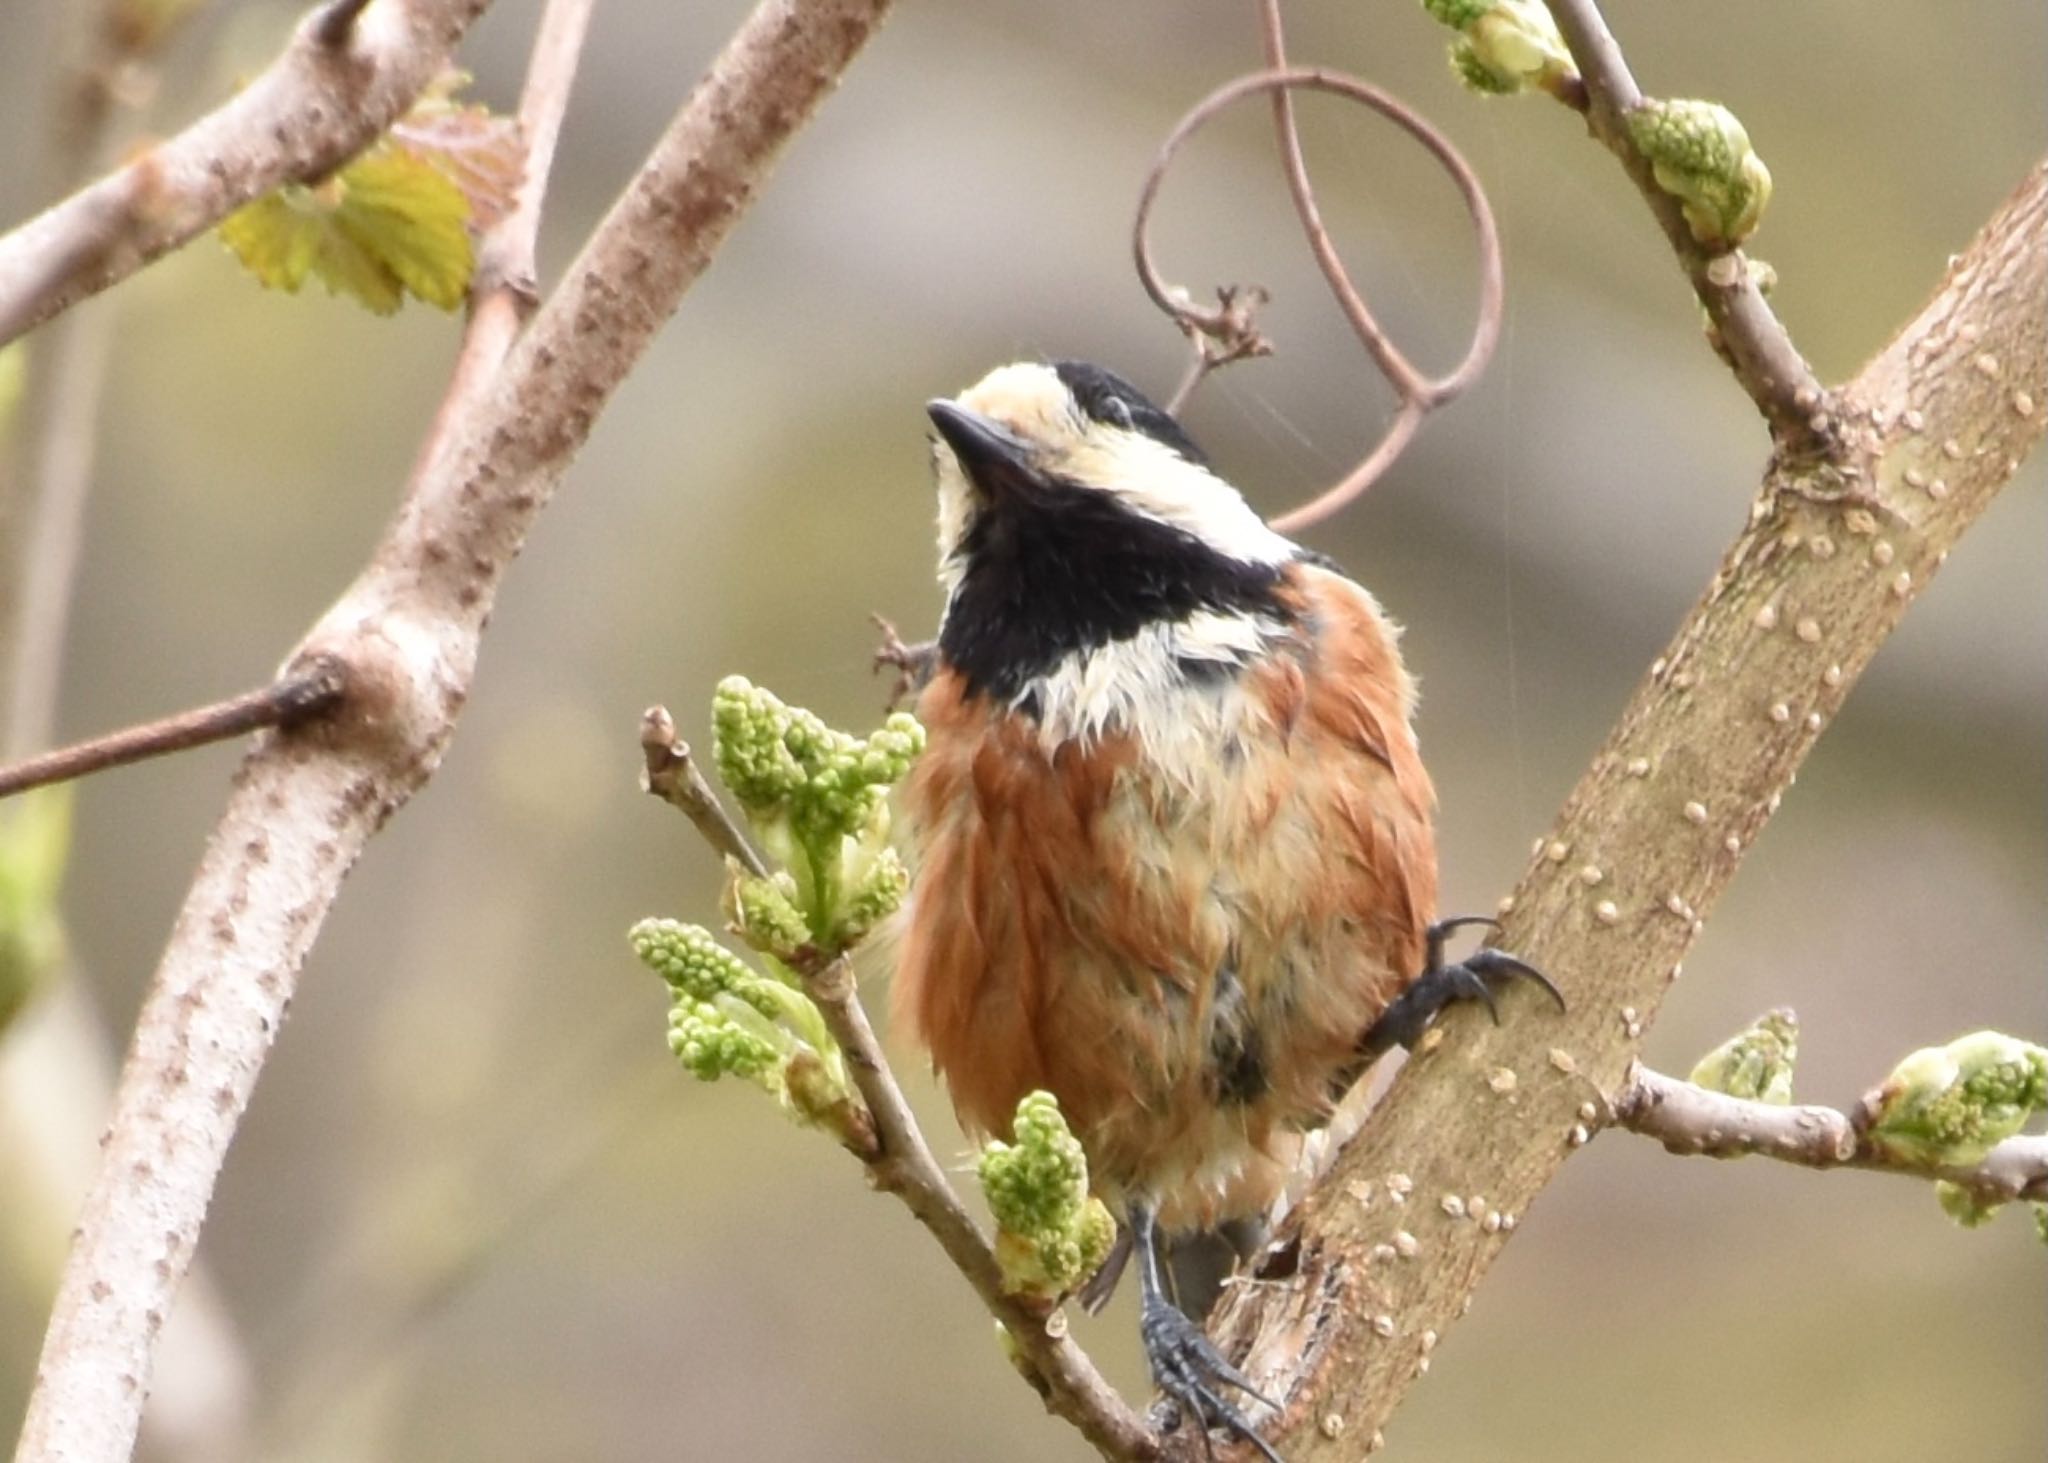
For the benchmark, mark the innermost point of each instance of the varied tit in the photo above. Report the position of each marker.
(1175, 854)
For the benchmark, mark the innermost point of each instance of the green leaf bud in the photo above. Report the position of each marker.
(2040, 1221)
(1755, 1064)
(815, 1090)
(878, 894)
(1505, 46)
(764, 913)
(1963, 1206)
(1952, 1104)
(1700, 154)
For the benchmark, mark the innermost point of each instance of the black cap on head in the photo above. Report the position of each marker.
(1108, 398)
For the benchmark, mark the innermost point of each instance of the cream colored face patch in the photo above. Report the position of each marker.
(1029, 400)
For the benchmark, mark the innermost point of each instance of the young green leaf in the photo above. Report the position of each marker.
(401, 219)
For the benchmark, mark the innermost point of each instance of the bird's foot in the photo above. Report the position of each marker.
(913, 664)
(1188, 1368)
(1472, 979)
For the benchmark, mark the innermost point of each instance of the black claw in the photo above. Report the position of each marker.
(1439, 985)
(1443, 929)
(1491, 962)
(1186, 1366)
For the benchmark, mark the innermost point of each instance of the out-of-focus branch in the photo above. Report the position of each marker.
(56, 1064)
(1770, 368)
(321, 102)
(898, 1159)
(305, 803)
(1688, 1119)
(1384, 1254)
(306, 691)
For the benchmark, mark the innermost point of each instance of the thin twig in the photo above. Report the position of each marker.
(1070, 1384)
(898, 1159)
(311, 110)
(309, 691)
(1419, 393)
(1758, 349)
(1688, 1119)
(673, 775)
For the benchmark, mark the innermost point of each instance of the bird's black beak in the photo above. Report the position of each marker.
(993, 456)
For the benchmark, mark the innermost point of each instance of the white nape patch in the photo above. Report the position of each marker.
(1140, 686)
(1160, 483)
(1032, 401)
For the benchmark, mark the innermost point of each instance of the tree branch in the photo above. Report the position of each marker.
(898, 1159)
(1050, 1360)
(315, 107)
(1385, 1252)
(1688, 1119)
(673, 775)
(1762, 355)
(305, 803)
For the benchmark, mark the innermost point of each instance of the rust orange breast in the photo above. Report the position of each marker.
(1183, 941)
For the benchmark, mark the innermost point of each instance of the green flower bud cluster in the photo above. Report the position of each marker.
(818, 800)
(1755, 1064)
(1505, 46)
(1701, 155)
(35, 844)
(729, 1019)
(1051, 1234)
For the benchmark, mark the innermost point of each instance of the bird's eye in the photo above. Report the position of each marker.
(1117, 412)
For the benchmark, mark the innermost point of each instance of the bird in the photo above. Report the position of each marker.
(1173, 842)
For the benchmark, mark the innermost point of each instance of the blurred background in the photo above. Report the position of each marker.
(476, 1212)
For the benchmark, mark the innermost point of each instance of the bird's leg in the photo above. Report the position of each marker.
(1186, 1365)
(1440, 985)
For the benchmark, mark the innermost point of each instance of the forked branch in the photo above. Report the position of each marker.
(1757, 347)
(898, 1159)
(1387, 1249)
(303, 807)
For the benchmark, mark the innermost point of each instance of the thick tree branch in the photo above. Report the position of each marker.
(315, 107)
(1386, 1251)
(305, 803)
(1765, 361)
(1693, 1120)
